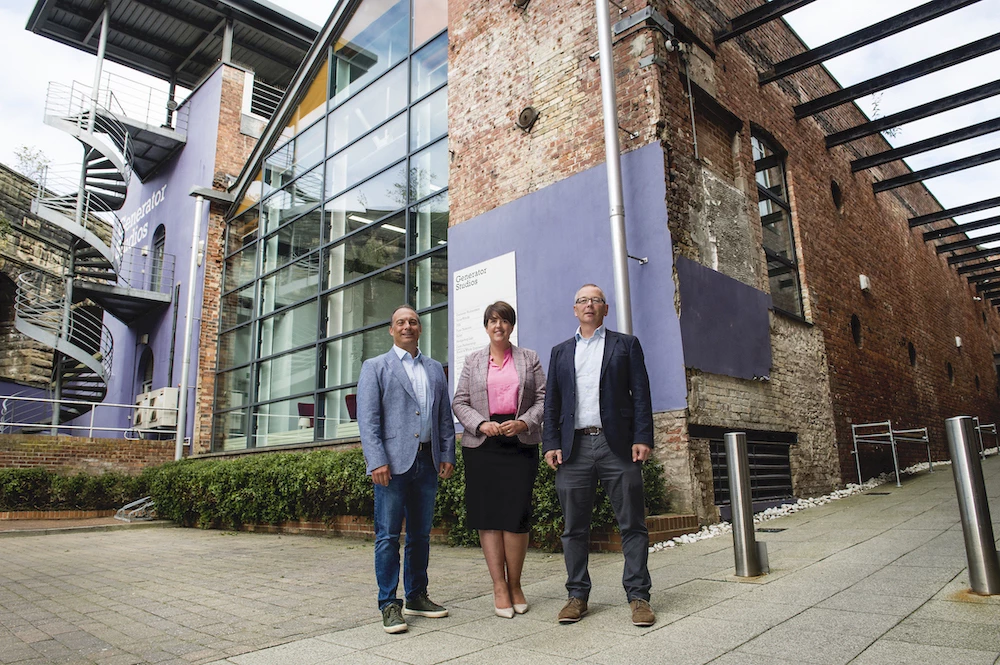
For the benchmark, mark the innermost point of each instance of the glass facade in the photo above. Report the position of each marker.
(776, 220)
(348, 218)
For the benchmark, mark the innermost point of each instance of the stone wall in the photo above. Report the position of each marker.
(68, 454)
(22, 359)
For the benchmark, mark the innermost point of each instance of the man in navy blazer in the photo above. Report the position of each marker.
(599, 425)
(408, 438)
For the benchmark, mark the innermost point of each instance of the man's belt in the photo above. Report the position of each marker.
(424, 447)
(589, 431)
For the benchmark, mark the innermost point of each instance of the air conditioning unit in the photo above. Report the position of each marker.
(142, 413)
(163, 407)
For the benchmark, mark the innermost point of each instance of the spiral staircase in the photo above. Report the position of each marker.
(78, 205)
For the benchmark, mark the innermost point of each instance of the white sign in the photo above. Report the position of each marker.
(476, 288)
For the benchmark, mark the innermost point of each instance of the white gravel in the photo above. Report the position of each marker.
(722, 528)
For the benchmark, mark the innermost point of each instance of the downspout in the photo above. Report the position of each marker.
(612, 156)
(182, 401)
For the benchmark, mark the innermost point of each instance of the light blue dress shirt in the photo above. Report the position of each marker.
(414, 368)
(589, 358)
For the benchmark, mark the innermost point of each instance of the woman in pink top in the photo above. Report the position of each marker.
(499, 401)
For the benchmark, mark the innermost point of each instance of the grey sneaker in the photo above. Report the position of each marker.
(573, 610)
(392, 619)
(422, 606)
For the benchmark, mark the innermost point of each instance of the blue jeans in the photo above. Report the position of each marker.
(410, 495)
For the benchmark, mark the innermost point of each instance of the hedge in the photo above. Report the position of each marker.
(319, 485)
(41, 489)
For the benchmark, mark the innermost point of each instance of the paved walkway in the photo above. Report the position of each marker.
(872, 579)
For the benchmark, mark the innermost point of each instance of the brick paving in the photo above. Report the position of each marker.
(872, 579)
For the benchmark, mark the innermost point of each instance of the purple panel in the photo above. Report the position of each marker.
(724, 323)
(562, 239)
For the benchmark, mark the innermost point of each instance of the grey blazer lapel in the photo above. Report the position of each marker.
(522, 371)
(396, 367)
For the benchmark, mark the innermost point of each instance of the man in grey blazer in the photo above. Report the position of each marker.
(408, 439)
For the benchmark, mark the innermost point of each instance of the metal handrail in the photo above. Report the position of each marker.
(140, 268)
(45, 406)
(58, 189)
(75, 103)
(40, 301)
(141, 102)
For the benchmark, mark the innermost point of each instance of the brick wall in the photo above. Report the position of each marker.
(82, 455)
(232, 150)
(915, 296)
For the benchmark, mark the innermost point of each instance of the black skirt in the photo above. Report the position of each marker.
(499, 477)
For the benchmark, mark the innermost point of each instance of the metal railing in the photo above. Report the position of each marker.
(141, 102)
(140, 268)
(882, 433)
(20, 412)
(74, 103)
(59, 190)
(40, 300)
(264, 99)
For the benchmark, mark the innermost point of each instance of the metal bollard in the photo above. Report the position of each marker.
(980, 550)
(751, 556)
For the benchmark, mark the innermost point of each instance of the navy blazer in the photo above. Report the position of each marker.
(626, 410)
(389, 415)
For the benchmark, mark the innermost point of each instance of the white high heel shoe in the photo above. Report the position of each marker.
(504, 612)
(520, 608)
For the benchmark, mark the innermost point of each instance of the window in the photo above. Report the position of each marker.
(157, 258)
(351, 221)
(776, 220)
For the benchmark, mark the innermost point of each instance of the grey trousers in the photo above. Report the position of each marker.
(576, 484)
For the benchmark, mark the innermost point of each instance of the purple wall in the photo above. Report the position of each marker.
(562, 239)
(174, 209)
(724, 323)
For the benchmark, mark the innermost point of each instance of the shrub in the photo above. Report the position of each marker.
(41, 489)
(320, 485)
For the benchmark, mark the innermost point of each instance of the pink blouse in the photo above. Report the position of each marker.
(501, 385)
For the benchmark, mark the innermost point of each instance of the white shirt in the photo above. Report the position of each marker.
(414, 368)
(588, 358)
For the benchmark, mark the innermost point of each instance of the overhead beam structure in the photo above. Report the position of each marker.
(973, 256)
(975, 267)
(954, 212)
(870, 35)
(957, 100)
(968, 242)
(758, 16)
(958, 229)
(933, 143)
(898, 76)
(939, 170)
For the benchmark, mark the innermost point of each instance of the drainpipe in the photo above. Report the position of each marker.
(201, 194)
(612, 157)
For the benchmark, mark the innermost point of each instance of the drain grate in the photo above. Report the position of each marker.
(877, 493)
(770, 530)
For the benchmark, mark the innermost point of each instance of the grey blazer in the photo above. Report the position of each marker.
(472, 405)
(389, 415)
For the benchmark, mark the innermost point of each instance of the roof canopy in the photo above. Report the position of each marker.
(182, 39)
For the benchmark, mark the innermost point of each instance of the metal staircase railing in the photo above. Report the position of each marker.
(74, 104)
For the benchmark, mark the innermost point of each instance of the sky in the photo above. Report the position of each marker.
(32, 61)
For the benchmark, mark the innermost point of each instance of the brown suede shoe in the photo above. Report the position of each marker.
(573, 610)
(642, 613)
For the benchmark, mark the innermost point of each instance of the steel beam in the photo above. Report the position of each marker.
(871, 34)
(954, 212)
(961, 228)
(962, 270)
(988, 286)
(939, 170)
(993, 275)
(898, 76)
(948, 103)
(968, 242)
(758, 16)
(973, 256)
(933, 143)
